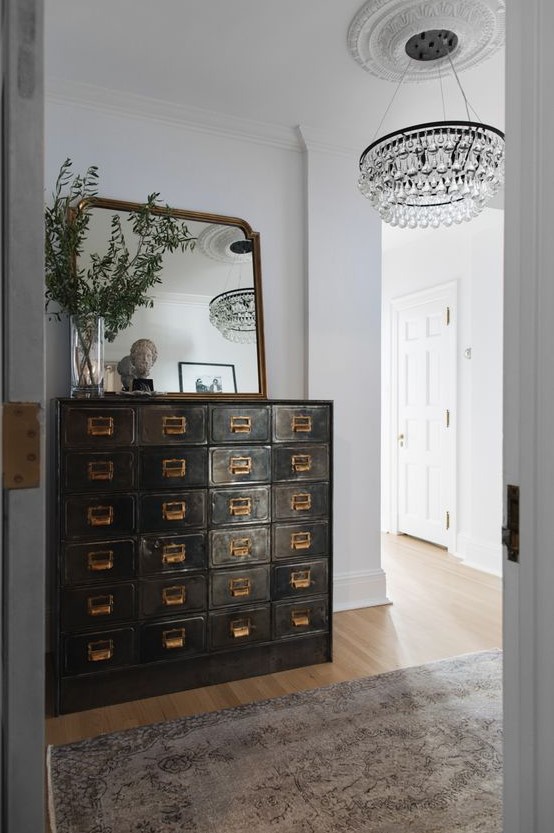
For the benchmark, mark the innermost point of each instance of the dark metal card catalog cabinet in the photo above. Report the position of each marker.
(193, 544)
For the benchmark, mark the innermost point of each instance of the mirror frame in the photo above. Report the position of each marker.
(215, 219)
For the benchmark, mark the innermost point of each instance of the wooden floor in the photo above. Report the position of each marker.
(439, 609)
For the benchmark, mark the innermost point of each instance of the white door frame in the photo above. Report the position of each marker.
(448, 294)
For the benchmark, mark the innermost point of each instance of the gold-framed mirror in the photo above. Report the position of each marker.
(206, 319)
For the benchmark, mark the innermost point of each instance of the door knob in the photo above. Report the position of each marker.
(401, 439)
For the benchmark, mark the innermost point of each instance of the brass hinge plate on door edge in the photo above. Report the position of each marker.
(20, 445)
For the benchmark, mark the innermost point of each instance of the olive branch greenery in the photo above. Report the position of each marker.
(116, 282)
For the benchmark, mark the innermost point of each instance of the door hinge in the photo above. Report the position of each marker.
(447, 316)
(447, 418)
(20, 445)
(448, 520)
(510, 532)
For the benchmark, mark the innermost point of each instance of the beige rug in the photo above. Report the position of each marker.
(414, 750)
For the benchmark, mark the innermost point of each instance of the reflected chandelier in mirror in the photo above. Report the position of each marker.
(206, 310)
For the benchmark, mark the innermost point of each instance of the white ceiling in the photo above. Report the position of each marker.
(280, 62)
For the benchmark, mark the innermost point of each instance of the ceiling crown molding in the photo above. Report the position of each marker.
(378, 34)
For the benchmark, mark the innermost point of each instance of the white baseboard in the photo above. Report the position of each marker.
(354, 590)
(481, 555)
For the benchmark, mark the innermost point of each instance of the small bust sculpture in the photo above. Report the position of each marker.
(143, 355)
(127, 372)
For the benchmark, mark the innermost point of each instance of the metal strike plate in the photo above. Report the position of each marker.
(240, 425)
(174, 510)
(174, 425)
(510, 532)
(100, 515)
(302, 424)
(100, 470)
(239, 587)
(300, 579)
(20, 445)
(240, 465)
(300, 540)
(240, 547)
(240, 506)
(172, 596)
(240, 628)
(100, 651)
(301, 462)
(174, 468)
(301, 503)
(174, 638)
(100, 605)
(174, 553)
(300, 618)
(99, 561)
(100, 426)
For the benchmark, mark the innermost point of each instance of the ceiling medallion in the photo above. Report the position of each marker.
(217, 241)
(379, 32)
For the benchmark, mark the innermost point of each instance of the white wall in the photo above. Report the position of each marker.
(471, 255)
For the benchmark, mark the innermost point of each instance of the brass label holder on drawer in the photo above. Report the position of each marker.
(174, 468)
(240, 465)
(239, 628)
(240, 506)
(100, 651)
(174, 553)
(100, 605)
(240, 425)
(174, 425)
(239, 587)
(300, 579)
(240, 547)
(100, 561)
(100, 515)
(302, 424)
(174, 510)
(300, 618)
(100, 470)
(174, 638)
(176, 595)
(300, 540)
(301, 503)
(301, 462)
(100, 426)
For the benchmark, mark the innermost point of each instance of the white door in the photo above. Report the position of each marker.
(424, 429)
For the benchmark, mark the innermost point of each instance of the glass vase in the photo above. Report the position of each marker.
(87, 355)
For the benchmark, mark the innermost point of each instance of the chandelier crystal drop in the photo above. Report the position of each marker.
(433, 174)
(234, 315)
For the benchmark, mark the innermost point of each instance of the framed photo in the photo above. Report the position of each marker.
(200, 377)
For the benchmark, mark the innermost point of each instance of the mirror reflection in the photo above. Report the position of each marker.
(203, 334)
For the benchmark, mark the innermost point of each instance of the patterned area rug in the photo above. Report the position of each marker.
(417, 749)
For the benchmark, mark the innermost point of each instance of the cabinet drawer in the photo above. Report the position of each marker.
(88, 471)
(297, 618)
(172, 468)
(234, 587)
(167, 553)
(240, 424)
(101, 516)
(231, 629)
(248, 464)
(293, 540)
(105, 561)
(302, 500)
(232, 547)
(100, 427)
(173, 638)
(172, 511)
(301, 462)
(97, 606)
(172, 595)
(86, 653)
(239, 506)
(172, 424)
(301, 423)
(303, 578)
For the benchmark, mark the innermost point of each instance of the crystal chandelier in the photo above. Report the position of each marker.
(436, 173)
(234, 312)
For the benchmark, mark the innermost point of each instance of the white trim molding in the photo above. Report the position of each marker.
(480, 555)
(363, 589)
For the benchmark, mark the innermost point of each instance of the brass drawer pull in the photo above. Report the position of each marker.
(241, 425)
(300, 618)
(174, 638)
(240, 547)
(240, 506)
(100, 426)
(300, 579)
(301, 462)
(302, 424)
(99, 561)
(100, 515)
(174, 553)
(301, 503)
(172, 596)
(174, 425)
(240, 465)
(239, 587)
(100, 470)
(300, 540)
(100, 651)
(240, 628)
(174, 510)
(100, 605)
(174, 468)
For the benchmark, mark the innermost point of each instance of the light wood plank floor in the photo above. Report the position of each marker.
(440, 608)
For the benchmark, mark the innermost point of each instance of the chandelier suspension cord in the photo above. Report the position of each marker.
(442, 94)
(468, 105)
(391, 101)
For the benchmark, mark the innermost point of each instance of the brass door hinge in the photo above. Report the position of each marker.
(510, 532)
(448, 520)
(447, 418)
(448, 316)
(20, 445)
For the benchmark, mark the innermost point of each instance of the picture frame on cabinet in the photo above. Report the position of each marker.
(203, 377)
